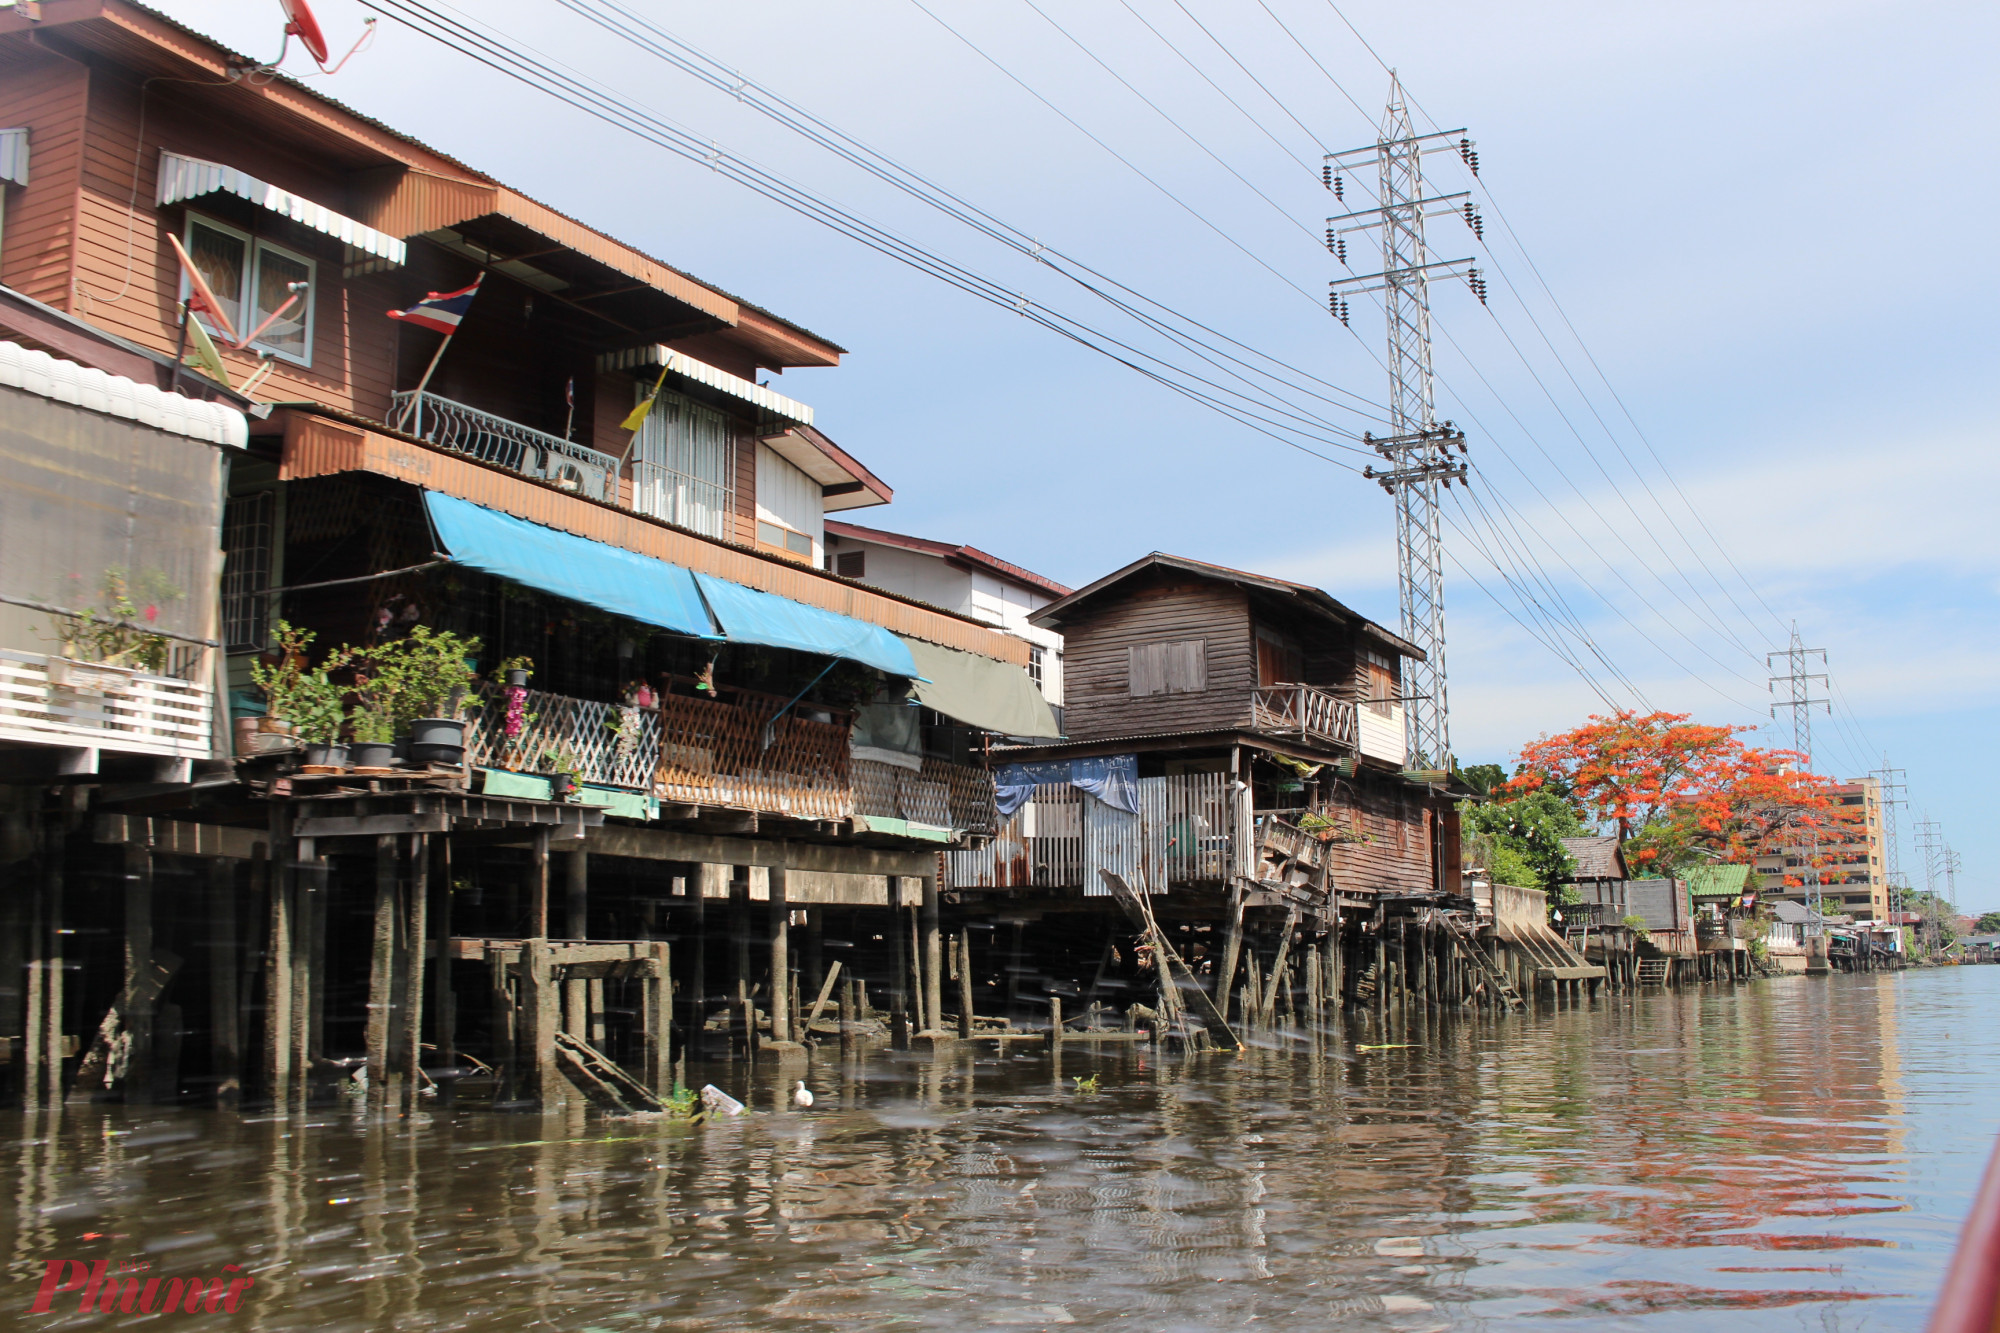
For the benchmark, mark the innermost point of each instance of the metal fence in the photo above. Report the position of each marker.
(495, 439)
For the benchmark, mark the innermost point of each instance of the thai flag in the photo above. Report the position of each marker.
(441, 311)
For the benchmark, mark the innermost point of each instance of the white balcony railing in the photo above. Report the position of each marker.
(1306, 712)
(54, 701)
(495, 439)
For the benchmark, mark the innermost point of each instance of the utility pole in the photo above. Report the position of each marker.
(1418, 449)
(1798, 682)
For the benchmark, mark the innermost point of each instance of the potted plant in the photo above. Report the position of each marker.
(372, 732)
(303, 700)
(409, 682)
(565, 772)
(516, 670)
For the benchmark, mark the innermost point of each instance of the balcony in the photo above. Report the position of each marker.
(509, 444)
(1307, 712)
(54, 701)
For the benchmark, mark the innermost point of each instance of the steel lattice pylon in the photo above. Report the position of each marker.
(1418, 449)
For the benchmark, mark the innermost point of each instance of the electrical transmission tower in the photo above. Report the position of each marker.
(1799, 682)
(1935, 854)
(1891, 792)
(1418, 449)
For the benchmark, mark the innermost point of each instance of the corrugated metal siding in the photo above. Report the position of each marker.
(1130, 846)
(317, 447)
(190, 178)
(14, 155)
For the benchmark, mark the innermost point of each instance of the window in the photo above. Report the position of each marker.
(1277, 660)
(1035, 664)
(252, 280)
(1381, 685)
(246, 571)
(851, 564)
(773, 535)
(1168, 668)
(682, 471)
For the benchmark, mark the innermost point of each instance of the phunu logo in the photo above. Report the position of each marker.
(107, 1292)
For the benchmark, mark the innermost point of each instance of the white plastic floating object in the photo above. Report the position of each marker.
(719, 1102)
(802, 1095)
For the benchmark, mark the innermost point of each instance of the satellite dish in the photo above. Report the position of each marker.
(300, 23)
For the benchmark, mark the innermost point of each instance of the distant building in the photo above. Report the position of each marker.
(1852, 872)
(957, 578)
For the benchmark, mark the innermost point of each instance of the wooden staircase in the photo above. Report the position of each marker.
(1652, 971)
(1492, 975)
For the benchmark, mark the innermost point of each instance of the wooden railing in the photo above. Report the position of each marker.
(941, 794)
(609, 744)
(1184, 832)
(54, 701)
(737, 755)
(1307, 712)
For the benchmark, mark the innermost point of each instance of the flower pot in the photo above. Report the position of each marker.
(518, 679)
(437, 740)
(331, 756)
(370, 754)
(561, 785)
(277, 724)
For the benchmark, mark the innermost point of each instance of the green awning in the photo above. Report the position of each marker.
(981, 692)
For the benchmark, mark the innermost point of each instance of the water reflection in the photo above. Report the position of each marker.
(1787, 1153)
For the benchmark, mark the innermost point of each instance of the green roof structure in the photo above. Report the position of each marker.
(1716, 881)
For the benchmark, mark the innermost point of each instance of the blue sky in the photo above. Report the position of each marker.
(1760, 218)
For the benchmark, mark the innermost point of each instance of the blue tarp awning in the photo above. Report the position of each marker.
(622, 582)
(653, 591)
(749, 616)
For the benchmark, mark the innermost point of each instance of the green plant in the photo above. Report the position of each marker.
(372, 726)
(560, 758)
(302, 695)
(1760, 949)
(112, 638)
(1637, 925)
(1085, 1085)
(682, 1102)
(414, 676)
(516, 663)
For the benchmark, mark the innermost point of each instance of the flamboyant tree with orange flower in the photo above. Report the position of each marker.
(1677, 790)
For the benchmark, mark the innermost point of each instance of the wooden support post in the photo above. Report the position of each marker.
(576, 926)
(696, 1007)
(1381, 969)
(933, 956)
(277, 1053)
(538, 884)
(964, 982)
(899, 986)
(506, 1028)
(138, 1021)
(444, 1001)
(825, 990)
(739, 936)
(1232, 951)
(225, 1041)
(413, 969)
(1313, 985)
(1055, 1020)
(849, 1017)
(382, 970)
(814, 970)
(538, 1014)
(308, 980)
(658, 999)
(781, 955)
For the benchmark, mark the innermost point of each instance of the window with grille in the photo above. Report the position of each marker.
(247, 522)
(1035, 664)
(851, 564)
(683, 469)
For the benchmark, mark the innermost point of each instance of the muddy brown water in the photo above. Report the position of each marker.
(1796, 1153)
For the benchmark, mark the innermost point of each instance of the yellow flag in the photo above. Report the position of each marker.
(637, 418)
(202, 354)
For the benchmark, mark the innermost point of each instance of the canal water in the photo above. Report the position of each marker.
(1795, 1153)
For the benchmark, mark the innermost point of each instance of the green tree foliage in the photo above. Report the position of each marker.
(1525, 840)
(1483, 778)
(1988, 924)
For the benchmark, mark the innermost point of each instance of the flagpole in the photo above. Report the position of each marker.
(417, 398)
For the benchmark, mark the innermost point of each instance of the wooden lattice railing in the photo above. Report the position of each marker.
(941, 794)
(715, 753)
(612, 745)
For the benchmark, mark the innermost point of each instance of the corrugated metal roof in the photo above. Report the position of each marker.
(190, 178)
(1717, 881)
(970, 554)
(14, 156)
(680, 363)
(115, 396)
